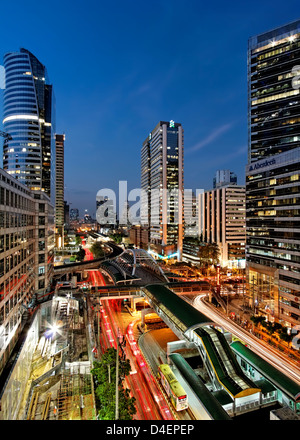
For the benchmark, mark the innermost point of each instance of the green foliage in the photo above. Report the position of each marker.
(78, 240)
(97, 250)
(283, 334)
(209, 253)
(104, 373)
(117, 238)
(257, 320)
(272, 328)
(80, 254)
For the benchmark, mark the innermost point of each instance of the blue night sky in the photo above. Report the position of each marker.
(118, 68)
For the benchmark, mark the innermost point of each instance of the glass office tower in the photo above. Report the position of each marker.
(162, 188)
(273, 174)
(29, 117)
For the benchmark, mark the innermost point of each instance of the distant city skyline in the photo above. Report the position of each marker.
(117, 69)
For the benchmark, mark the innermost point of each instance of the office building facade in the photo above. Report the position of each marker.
(222, 220)
(191, 228)
(74, 214)
(29, 117)
(224, 177)
(59, 189)
(272, 175)
(26, 262)
(162, 188)
(44, 242)
(273, 237)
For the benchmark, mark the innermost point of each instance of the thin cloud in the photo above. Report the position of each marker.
(210, 138)
(228, 157)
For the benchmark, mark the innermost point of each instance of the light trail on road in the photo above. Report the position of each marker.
(152, 412)
(131, 384)
(257, 345)
(157, 399)
(134, 382)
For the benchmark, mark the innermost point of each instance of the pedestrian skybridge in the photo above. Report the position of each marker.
(138, 263)
(190, 324)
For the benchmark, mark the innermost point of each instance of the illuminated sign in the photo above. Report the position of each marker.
(266, 163)
(172, 124)
(162, 257)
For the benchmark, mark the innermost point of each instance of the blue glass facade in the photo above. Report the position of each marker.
(29, 117)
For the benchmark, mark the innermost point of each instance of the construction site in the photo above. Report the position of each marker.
(53, 383)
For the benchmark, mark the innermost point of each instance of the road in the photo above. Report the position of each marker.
(150, 402)
(159, 408)
(258, 346)
(146, 404)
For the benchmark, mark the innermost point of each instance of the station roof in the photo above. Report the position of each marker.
(276, 377)
(211, 404)
(185, 315)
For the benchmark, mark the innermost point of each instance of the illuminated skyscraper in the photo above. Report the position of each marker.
(162, 188)
(59, 189)
(29, 118)
(273, 174)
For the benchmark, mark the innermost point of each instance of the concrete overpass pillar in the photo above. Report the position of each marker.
(145, 312)
(132, 304)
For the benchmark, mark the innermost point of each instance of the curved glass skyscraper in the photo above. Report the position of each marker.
(28, 116)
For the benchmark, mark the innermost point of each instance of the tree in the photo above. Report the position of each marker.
(104, 373)
(78, 240)
(257, 320)
(80, 254)
(214, 252)
(117, 238)
(209, 253)
(97, 250)
(284, 336)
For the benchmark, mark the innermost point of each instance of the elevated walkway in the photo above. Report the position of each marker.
(274, 378)
(193, 326)
(216, 352)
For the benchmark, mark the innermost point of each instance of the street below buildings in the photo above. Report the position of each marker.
(150, 403)
(114, 324)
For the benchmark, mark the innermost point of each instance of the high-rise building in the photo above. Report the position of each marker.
(17, 260)
(26, 256)
(29, 117)
(59, 189)
(66, 215)
(272, 175)
(190, 214)
(162, 188)
(74, 214)
(44, 243)
(224, 177)
(221, 220)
